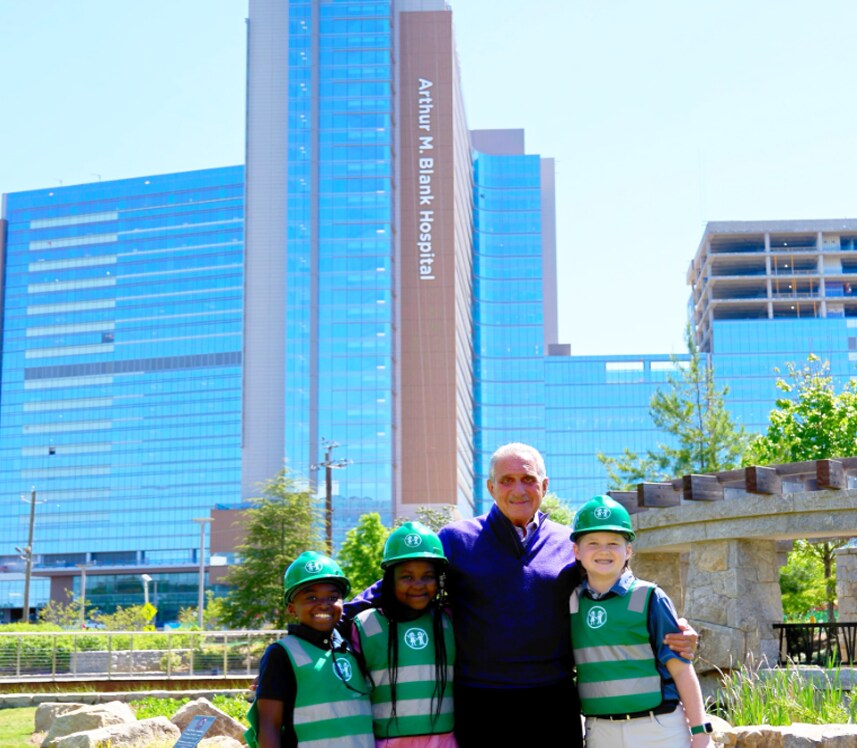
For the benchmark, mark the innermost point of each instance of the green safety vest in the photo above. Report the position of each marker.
(415, 681)
(616, 670)
(327, 712)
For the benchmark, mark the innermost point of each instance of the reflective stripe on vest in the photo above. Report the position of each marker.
(415, 677)
(327, 712)
(616, 669)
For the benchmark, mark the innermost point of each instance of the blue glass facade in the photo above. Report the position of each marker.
(508, 314)
(598, 404)
(339, 306)
(121, 366)
(750, 355)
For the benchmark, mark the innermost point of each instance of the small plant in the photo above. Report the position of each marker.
(754, 695)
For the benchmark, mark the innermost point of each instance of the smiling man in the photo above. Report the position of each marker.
(510, 575)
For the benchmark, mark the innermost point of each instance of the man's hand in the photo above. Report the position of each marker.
(685, 643)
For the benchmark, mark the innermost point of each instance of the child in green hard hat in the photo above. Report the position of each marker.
(634, 690)
(408, 645)
(311, 687)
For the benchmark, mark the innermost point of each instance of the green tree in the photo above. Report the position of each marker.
(212, 613)
(802, 581)
(691, 410)
(436, 516)
(361, 553)
(63, 614)
(558, 511)
(280, 525)
(124, 618)
(811, 421)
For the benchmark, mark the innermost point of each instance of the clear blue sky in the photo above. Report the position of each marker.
(661, 114)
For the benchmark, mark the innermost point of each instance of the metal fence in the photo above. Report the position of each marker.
(818, 643)
(77, 655)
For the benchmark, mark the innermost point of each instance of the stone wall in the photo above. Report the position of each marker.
(846, 583)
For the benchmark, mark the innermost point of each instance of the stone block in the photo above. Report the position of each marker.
(88, 718)
(48, 711)
(223, 725)
(146, 733)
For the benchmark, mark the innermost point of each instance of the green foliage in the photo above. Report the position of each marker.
(128, 618)
(802, 582)
(780, 696)
(66, 614)
(693, 411)
(361, 553)
(282, 523)
(212, 614)
(558, 511)
(435, 517)
(811, 421)
(234, 705)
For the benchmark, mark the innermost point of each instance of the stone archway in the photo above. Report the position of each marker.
(716, 542)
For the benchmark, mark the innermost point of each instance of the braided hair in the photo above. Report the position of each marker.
(396, 612)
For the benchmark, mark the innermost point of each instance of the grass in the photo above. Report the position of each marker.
(16, 726)
(780, 696)
(235, 706)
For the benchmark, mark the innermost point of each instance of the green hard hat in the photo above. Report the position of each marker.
(602, 514)
(412, 540)
(312, 566)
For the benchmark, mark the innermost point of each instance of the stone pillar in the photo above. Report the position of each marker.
(732, 597)
(846, 584)
(668, 570)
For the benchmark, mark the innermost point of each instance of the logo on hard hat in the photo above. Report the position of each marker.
(596, 617)
(342, 668)
(602, 512)
(313, 567)
(416, 638)
(413, 540)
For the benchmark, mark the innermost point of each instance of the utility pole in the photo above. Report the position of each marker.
(83, 568)
(329, 466)
(26, 554)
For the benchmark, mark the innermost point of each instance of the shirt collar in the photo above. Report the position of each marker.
(620, 587)
(526, 533)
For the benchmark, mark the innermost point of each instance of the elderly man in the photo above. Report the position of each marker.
(511, 572)
(510, 576)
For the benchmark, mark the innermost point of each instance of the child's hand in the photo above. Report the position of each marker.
(702, 740)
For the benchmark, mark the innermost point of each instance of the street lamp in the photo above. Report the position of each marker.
(83, 568)
(26, 554)
(146, 579)
(200, 601)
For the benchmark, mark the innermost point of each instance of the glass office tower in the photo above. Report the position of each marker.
(358, 255)
(121, 369)
(513, 286)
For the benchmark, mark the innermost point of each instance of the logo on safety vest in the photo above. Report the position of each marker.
(416, 638)
(342, 669)
(313, 567)
(602, 512)
(596, 617)
(413, 540)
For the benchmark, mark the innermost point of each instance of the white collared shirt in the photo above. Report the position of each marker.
(526, 533)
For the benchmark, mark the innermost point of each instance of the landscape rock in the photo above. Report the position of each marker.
(220, 741)
(88, 718)
(157, 731)
(224, 724)
(798, 735)
(46, 713)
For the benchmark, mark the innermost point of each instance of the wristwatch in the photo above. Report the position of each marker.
(705, 727)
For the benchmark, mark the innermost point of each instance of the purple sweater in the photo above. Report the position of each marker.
(510, 602)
